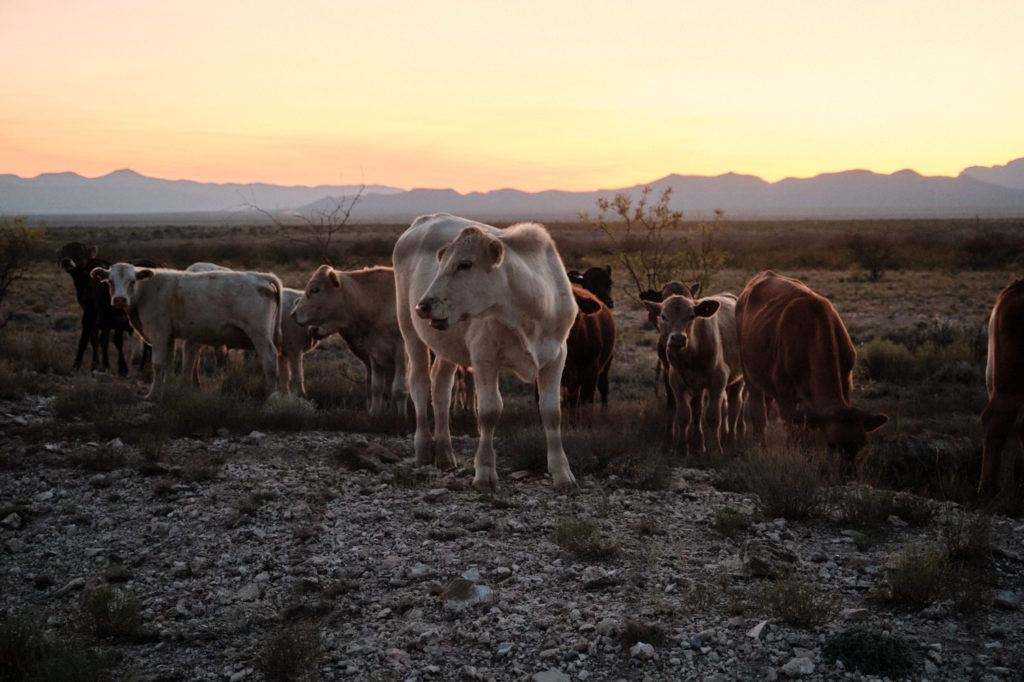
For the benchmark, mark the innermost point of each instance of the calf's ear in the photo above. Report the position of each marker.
(92, 250)
(695, 290)
(99, 274)
(653, 311)
(575, 276)
(144, 273)
(706, 308)
(332, 275)
(873, 422)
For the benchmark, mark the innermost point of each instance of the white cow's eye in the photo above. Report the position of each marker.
(464, 265)
(314, 290)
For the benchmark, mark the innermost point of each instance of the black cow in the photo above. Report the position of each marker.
(99, 318)
(597, 281)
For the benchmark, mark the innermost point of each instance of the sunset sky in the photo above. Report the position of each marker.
(479, 95)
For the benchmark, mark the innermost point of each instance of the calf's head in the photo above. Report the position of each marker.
(311, 308)
(76, 255)
(675, 317)
(122, 279)
(845, 430)
(461, 289)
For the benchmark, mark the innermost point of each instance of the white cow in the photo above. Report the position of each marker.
(360, 306)
(491, 299)
(218, 308)
(296, 340)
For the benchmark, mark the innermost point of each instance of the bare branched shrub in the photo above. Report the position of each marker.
(874, 254)
(795, 599)
(320, 227)
(652, 243)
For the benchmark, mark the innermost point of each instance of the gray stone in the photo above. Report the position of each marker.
(798, 667)
(642, 650)
(1004, 599)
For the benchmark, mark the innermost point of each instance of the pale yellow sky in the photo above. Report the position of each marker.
(477, 95)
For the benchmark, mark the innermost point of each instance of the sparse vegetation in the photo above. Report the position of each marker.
(871, 651)
(109, 613)
(795, 599)
(29, 653)
(18, 241)
(915, 573)
(582, 538)
(786, 477)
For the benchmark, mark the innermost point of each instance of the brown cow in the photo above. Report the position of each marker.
(698, 353)
(590, 347)
(795, 350)
(360, 306)
(1004, 377)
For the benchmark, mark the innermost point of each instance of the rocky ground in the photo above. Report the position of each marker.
(233, 544)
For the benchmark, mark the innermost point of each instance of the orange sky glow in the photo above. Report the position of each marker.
(537, 94)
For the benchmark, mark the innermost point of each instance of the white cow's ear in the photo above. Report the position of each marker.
(99, 274)
(144, 273)
(441, 252)
(495, 253)
(332, 275)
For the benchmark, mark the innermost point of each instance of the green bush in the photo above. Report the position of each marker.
(915, 573)
(794, 599)
(112, 614)
(884, 360)
(786, 478)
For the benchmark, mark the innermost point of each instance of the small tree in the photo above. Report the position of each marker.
(319, 227)
(652, 241)
(874, 255)
(17, 242)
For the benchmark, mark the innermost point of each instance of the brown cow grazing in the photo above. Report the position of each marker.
(1004, 377)
(699, 355)
(590, 347)
(795, 350)
(360, 306)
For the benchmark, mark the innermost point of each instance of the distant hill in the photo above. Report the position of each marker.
(125, 196)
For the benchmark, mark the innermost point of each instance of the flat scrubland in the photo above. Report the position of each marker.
(212, 536)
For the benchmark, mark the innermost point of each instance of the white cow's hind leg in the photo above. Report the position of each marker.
(377, 387)
(488, 402)
(163, 353)
(548, 389)
(442, 374)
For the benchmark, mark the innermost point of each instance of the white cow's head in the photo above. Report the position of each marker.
(462, 288)
(122, 278)
(675, 318)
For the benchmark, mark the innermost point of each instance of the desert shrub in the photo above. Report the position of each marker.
(582, 538)
(874, 254)
(884, 360)
(871, 652)
(786, 478)
(108, 613)
(638, 631)
(16, 383)
(292, 654)
(102, 458)
(37, 351)
(989, 251)
(967, 538)
(186, 410)
(95, 400)
(915, 573)
(287, 412)
(29, 653)
(729, 523)
(794, 599)
(18, 241)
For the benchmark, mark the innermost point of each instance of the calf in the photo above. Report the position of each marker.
(360, 306)
(220, 308)
(699, 356)
(296, 340)
(1004, 378)
(589, 348)
(796, 350)
(99, 318)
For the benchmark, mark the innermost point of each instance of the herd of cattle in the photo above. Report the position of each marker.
(468, 299)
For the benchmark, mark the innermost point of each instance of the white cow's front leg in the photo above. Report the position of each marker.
(442, 374)
(489, 405)
(419, 391)
(163, 353)
(378, 386)
(549, 394)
